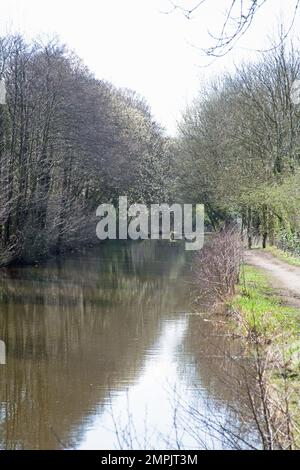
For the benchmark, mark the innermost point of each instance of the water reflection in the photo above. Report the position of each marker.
(99, 340)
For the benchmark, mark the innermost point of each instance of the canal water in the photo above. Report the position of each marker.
(104, 351)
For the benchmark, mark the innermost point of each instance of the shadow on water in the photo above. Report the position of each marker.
(103, 342)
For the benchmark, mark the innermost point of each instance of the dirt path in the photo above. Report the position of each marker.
(284, 277)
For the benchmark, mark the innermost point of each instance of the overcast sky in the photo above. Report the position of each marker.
(134, 44)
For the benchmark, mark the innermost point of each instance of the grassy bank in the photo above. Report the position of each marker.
(273, 328)
(262, 311)
(284, 256)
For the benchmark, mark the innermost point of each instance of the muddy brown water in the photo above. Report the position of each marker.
(103, 352)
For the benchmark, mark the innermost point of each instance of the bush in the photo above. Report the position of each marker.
(216, 267)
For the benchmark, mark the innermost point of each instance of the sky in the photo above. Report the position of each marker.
(143, 45)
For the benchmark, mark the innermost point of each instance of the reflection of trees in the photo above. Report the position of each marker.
(73, 330)
(226, 376)
(213, 352)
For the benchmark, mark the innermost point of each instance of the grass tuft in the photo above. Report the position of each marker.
(262, 310)
(284, 256)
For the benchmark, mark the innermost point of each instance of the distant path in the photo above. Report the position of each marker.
(283, 276)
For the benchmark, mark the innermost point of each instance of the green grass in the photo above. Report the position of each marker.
(284, 256)
(277, 328)
(262, 311)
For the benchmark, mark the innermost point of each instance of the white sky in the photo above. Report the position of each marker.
(133, 44)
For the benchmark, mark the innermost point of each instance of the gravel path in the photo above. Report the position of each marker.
(284, 277)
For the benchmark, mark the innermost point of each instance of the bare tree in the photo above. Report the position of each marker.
(239, 16)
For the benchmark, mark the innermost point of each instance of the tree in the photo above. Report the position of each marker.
(68, 142)
(241, 144)
(238, 18)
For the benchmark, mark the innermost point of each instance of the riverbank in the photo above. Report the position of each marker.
(284, 256)
(266, 312)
